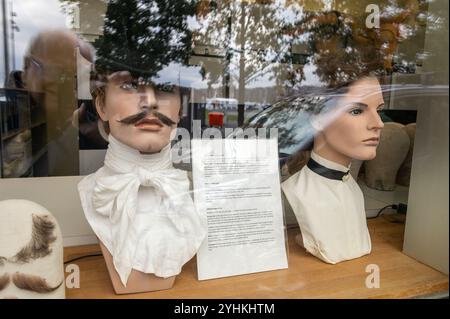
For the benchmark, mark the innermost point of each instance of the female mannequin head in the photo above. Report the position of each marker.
(347, 125)
(351, 128)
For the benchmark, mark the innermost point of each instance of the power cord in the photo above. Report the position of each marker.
(393, 206)
(82, 257)
(400, 208)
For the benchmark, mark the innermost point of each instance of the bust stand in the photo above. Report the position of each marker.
(137, 281)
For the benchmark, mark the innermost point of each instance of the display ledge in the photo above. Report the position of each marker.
(307, 277)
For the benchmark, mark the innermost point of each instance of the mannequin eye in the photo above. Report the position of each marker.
(166, 88)
(129, 85)
(357, 111)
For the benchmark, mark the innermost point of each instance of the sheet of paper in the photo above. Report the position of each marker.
(237, 186)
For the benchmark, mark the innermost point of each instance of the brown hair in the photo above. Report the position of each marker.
(41, 238)
(296, 162)
(33, 283)
(4, 281)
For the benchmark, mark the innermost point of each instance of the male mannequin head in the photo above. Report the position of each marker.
(139, 114)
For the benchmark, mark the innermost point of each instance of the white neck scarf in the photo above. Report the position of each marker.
(116, 195)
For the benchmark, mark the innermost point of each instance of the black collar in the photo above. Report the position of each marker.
(327, 172)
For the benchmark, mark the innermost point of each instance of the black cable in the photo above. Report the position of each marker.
(393, 206)
(81, 257)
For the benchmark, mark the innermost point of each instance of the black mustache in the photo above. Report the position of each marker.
(132, 119)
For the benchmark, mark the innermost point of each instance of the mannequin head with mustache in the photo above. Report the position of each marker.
(138, 114)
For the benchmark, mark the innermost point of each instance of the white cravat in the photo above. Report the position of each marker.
(115, 193)
(330, 213)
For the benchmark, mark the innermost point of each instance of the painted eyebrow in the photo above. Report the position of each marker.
(360, 104)
(33, 283)
(120, 77)
(4, 281)
(41, 238)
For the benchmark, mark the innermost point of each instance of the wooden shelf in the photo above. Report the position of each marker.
(33, 125)
(30, 116)
(11, 134)
(306, 277)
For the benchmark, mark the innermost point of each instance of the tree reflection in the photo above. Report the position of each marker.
(256, 39)
(337, 54)
(144, 36)
(247, 34)
(343, 45)
(256, 43)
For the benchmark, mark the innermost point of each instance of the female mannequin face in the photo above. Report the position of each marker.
(125, 98)
(351, 130)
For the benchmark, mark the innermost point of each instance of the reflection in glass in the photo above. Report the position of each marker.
(230, 57)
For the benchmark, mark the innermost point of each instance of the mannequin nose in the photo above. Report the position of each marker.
(375, 121)
(147, 98)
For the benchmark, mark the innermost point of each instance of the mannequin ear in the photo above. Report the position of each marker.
(317, 123)
(100, 107)
(321, 121)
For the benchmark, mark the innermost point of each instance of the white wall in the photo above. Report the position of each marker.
(60, 196)
(426, 231)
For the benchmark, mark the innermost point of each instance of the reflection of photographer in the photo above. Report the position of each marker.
(50, 70)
